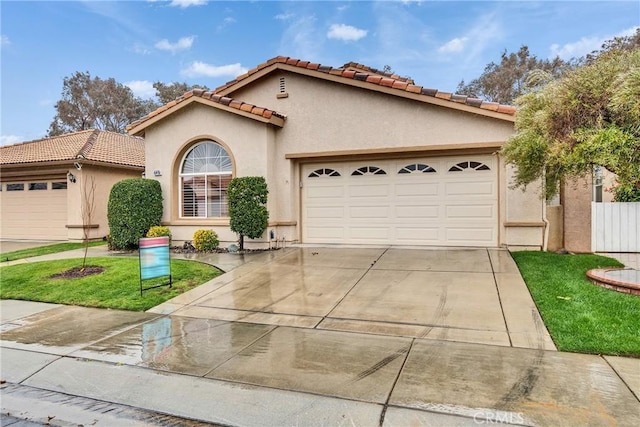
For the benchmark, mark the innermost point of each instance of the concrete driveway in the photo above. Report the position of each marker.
(469, 295)
(318, 336)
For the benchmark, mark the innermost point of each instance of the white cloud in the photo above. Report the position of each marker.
(199, 68)
(300, 38)
(182, 44)
(4, 40)
(140, 49)
(9, 139)
(454, 45)
(225, 23)
(142, 88)
(186, 3)
(345, 32)
(585, 45)
(284, 16)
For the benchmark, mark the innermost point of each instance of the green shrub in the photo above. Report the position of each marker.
(247, 211)
(159, 231)
(205, 240)
(135, 205)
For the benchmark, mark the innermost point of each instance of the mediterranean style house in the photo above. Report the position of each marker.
(351, 155)
(43, 183)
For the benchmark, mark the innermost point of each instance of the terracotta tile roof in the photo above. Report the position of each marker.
(93, 145)
(211, 96)
(366, 74)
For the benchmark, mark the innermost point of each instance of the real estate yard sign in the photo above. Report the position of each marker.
(155, 261)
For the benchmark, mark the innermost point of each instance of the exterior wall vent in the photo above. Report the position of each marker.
(282, 93)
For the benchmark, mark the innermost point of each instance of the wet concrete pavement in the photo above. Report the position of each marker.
(323, 336)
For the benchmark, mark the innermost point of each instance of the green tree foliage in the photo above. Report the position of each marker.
(247, 199)
(167, 93)
(93, 103)
(135, 205)
(505, 81)
(590, 116)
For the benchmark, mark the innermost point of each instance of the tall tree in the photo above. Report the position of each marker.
(167, 93)
(93, 103)
(591, 116)
(505, 81)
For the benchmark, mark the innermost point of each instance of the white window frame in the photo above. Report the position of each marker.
(227, 171)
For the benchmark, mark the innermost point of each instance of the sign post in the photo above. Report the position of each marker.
(155, 260)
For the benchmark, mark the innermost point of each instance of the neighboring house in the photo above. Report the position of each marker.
(43, 183)
(351, 155)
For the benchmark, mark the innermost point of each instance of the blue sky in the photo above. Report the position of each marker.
(437, 43)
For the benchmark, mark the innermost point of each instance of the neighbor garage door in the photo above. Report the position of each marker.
(34, 210)
(441, 201)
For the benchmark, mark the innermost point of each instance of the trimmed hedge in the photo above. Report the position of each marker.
(247, 211)
(135, 205)
(205, 240)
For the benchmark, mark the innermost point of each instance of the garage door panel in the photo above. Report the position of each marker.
(470, 234)
(417, 212)
(325, 192)
(416, 189)
(328, 212)
(369, 212)
(326, 234)
(437, 207)
(369, 190)
(470, 211)
(418, 234)
(370, 234)
(469, 189)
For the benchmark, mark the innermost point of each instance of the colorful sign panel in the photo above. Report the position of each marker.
(154, 257)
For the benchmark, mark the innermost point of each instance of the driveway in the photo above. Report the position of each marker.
(469, 295)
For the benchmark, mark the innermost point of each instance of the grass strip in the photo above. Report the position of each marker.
(117, 287)
(45, 250)
(580, 316)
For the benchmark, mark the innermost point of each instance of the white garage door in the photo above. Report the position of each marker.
(440, 201)
(34, 210)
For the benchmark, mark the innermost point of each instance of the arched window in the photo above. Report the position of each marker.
(205, 173)
(368, 170)
(469, 165)
(417, 168)
(323, 172)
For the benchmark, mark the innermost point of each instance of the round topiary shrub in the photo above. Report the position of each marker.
(205, 240)
(159, 231)
(135, 205)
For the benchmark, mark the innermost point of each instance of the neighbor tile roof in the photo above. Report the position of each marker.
(219, 99)
(363, 73)
(93, 145)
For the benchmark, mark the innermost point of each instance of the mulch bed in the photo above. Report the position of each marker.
(77, 272)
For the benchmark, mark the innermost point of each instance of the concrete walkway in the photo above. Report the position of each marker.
(316, 336)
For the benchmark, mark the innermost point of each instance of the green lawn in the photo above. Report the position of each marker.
(580, 316)
(118, 286)
(45, 250)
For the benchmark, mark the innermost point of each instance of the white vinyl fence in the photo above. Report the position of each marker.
(615, 227)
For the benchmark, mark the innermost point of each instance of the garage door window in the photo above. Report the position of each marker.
(323, 172)
(205, 174)
(37, 186)
(15, 187)
(368, 170)
(417, 168)
(462, 166)
(62, 185)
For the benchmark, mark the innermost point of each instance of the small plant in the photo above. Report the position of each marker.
(205, 240)
(159, 231)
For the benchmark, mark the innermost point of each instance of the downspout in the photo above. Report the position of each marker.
(545, 233)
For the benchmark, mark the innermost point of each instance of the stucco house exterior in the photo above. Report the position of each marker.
(351, 155)
(43, 181)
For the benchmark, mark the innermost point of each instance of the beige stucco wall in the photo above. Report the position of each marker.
(576, 201)
(324, 117)
(104, 179)
(556, 228)
(166, 143)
